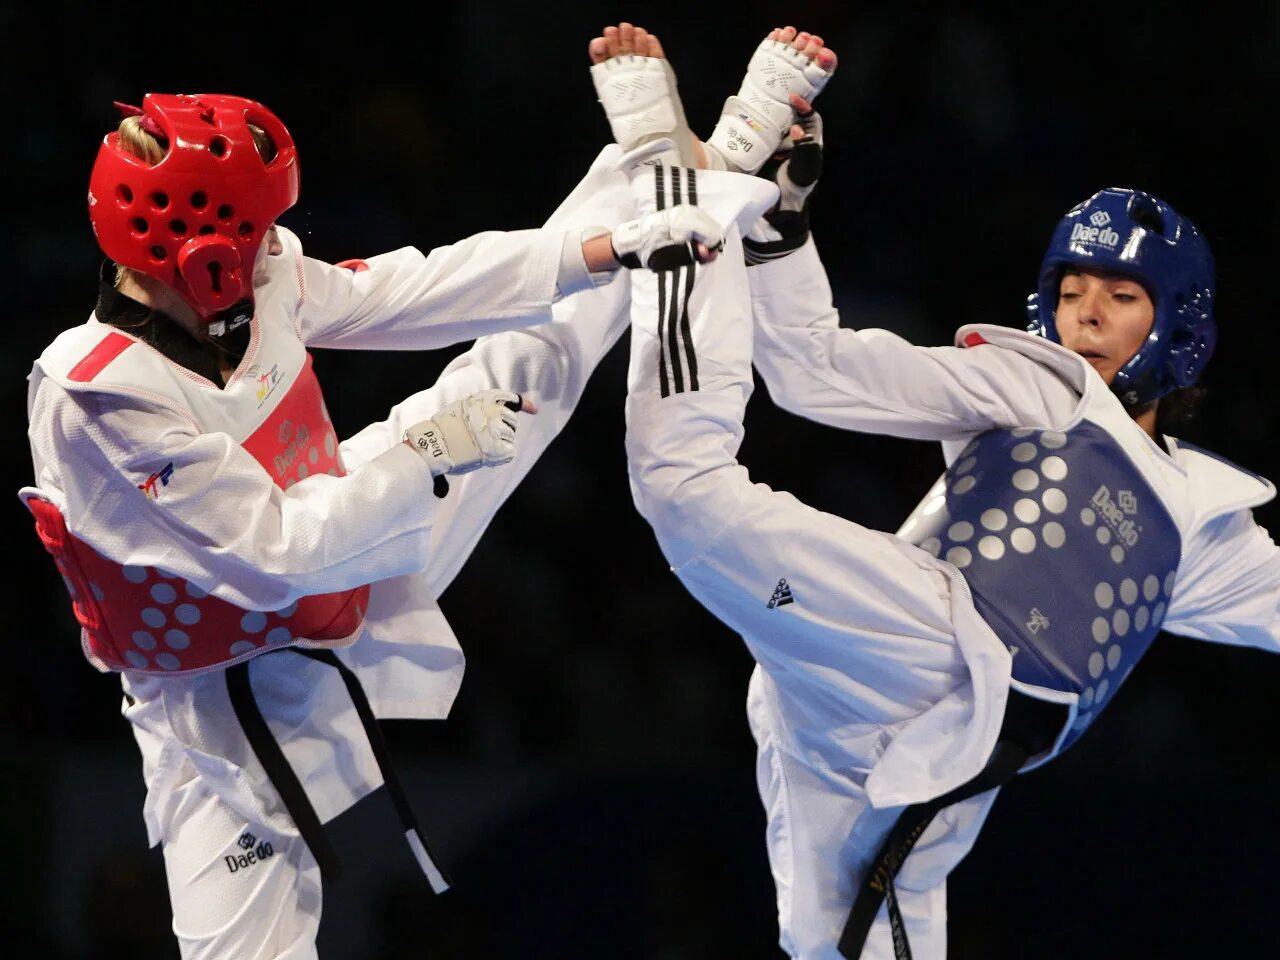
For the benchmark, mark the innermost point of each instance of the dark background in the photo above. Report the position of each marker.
(593, 790)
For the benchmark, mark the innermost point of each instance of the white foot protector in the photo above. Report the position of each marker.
(640, 99)
(754, 123)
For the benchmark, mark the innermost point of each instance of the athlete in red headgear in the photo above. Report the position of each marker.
(251, 576)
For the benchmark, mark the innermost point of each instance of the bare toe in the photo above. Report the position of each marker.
(801, 40)
(626, 39)
(611, 41)
(598, 50)
(786, 34)
(811, 50)
(655, 48)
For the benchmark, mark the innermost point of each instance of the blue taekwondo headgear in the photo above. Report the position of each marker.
(1133, 233)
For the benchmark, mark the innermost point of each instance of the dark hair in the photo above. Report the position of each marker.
(1179, 408)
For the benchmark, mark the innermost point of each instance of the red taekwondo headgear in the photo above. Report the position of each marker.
(196, 219)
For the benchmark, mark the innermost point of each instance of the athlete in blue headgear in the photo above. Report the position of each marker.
(901, 679)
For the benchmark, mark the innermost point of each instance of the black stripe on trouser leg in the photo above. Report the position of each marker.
(661, 200)
(267, 750)
(690, 357)
(673, 324)
(664, 386)
(685, 332)
(373, 730)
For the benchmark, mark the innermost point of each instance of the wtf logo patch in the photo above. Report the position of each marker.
(151, 486)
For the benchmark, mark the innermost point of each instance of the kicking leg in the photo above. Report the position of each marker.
(637, 88)
(786, 72)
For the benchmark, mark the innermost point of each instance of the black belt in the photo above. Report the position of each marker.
(286, 782)
(1030, 727)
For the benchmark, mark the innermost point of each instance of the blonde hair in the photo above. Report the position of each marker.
(134, 139)
(146, 146)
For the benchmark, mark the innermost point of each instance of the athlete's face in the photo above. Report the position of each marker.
(1104, 317)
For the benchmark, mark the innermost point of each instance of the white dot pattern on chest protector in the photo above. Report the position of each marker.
(1026, 480)
(154, 618)
(1054, 500)
(994, 519)
(1054, 468)
(1096, 664)
(187, 613)
(177, 639)
(1024, 452)
(163, 593)
(194, 592)
(144, 640)
(253, 621)
(242, 646)
(1023, 499)
(1026, 510)
(135, 574)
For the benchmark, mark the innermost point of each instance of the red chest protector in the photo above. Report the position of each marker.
(145, 619)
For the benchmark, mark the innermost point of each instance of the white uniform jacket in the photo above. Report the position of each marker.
(1227, 587)
(224, 526)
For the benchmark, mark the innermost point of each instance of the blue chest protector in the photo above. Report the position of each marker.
(1069, 553)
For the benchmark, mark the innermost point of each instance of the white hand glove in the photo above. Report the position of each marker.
(665, 239)
(476, 431)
